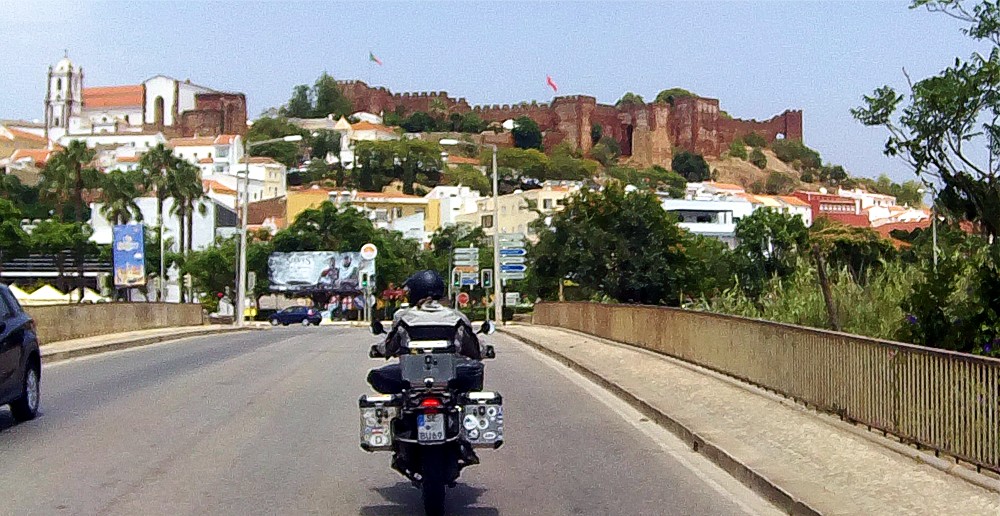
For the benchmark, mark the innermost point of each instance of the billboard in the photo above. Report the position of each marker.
(318, 271)
(127, 247)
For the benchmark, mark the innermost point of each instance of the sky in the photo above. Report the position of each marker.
(758, 57)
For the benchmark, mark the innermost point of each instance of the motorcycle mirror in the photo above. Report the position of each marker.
(488, 328)
(374, 353)
(377, 328)
(490, 352)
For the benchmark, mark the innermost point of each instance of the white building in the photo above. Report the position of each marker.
(454, 202)
(216, 221)
(350, 134)
(715, 218)
(212, 154)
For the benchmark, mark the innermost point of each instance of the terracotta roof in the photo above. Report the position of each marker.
(385, 195)
(723, 186)
(37, 156)
(462, 160)
(113, 96)
(225, 139)
(207, 160)
(260, 160)
(201, 141)
(885, 229)
(795, 201)
(258, 212)
(25, 135)
(217, 187)
(847, 218)
(368, 126)
(127, 159)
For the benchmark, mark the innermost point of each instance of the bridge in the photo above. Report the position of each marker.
(612, 409)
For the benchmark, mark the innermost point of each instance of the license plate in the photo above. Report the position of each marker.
(430, 427)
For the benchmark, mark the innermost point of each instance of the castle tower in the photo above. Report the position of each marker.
(64, 97)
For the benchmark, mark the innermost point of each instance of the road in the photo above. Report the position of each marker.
(266, 422)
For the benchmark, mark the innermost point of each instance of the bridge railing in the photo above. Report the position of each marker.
(937, 399)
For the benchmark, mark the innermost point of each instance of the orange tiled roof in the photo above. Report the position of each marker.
(217, 187)
(113, 96)
(723, 186)
(224, 139)
(37, 156)
(385, 195)
(260, 160)
(206, 160)
(258, 212)
(127, 159)
(25, 135)
(200, 141)
(368, 126)
(795, 201)
(462, 160)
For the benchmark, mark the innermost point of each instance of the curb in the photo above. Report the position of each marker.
(757, 482)
(59, 356)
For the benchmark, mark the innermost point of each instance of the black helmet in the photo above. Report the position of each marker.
(425, 284)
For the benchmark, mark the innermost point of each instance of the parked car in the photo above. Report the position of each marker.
(20, 360)
(297, 315)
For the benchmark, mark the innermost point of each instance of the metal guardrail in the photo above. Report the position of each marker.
(941, 400)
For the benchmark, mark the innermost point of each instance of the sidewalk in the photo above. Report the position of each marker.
(804, 462)
(66, 349)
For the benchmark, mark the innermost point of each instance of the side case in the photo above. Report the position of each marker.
(482, 419)
(377, 413)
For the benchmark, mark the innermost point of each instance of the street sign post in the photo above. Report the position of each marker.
(512, 275)
(469, 279)
(519, 251)
(514, 267)
(504, 260)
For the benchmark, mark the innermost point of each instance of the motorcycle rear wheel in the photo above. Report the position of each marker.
(435, 471)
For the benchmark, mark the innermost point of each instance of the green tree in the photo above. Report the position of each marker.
(779, 184)
(301, 103)
(619, 244)
(630, 99)
(328, 99)
(13, 239)
(527, 162)
(467, 175)
(758, 159)
(324, 142)
(738, 149)
(526, 133)
(693, 167)
(769, 245)
(61, 240)
(652, 177)
(120, 190)
(565, 165)
(265, 128)
(860, 250)
(755, 140)
(472, 123)
(795, 153)
(606, 152)
(409, 161)
(670, 95)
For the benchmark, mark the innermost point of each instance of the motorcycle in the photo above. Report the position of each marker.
(432, 412)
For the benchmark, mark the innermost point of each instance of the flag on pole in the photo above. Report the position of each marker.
(551, 83)
(373, 58)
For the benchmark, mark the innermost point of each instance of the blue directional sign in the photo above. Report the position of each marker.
(513, 252)
(513, 267)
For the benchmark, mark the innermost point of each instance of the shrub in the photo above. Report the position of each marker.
(755, 140)
(758, 158)
(738, 149)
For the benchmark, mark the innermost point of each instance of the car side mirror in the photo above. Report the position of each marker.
(489, 352)
(377, 328)
(488, 328)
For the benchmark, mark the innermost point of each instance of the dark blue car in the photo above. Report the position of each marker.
(297, 315)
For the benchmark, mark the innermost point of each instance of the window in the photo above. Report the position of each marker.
(397, 212)
(487, 221)
(58, 84)
(222, 152)
(56, 122)
(547, 204)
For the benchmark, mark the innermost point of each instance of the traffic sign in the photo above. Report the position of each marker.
(514, 267)
(463, 298)
(512, 259)
(469, 279)
(512, 298)
(513, 252)
(369, 251)
(466, 251)
(511, 237)
(467, 268)
(511, 275)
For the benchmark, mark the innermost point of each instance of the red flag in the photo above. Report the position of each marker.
(551, 83)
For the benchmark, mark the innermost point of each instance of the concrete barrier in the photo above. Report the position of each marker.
(64, 322)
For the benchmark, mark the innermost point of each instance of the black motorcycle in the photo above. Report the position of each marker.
(432, 412)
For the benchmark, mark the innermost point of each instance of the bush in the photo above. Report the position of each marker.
(796, 152)
(526, 133)
(755, 140)
(758, 158)
(692, 167)
(778, 184)
(738, 149)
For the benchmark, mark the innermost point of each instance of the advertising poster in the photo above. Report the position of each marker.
(129, 261)
(318, 271)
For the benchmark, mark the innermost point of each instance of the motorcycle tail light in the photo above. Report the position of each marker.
(430, 405)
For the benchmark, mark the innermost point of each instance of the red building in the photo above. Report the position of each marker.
(835, 207)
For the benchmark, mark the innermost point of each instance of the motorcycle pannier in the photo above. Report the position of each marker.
(482, 419)
(377, 413)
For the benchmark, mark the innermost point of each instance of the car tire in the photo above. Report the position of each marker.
(274, 322)
(305, 322)
(25, 407)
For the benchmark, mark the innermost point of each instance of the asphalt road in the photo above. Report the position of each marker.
(266, 423)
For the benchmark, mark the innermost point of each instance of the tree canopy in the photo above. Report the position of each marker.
(692, 166)
(671, 94)
(526, 133)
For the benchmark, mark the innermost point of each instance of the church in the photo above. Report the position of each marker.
(159, 104)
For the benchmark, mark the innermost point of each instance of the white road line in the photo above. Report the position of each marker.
(704, 469)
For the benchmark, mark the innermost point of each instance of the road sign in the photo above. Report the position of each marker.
(512, 298)
(513, 267)
(513, 252)
(251, 281)
(467, 268)
(466, 251)
(511, 275)
(369, 251)
(466, 256)
(469, 279)
(463, 298)
(504, 260)
(511, 237)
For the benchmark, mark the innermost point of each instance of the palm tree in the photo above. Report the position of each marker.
(121, 189)
(65, 178)
(184, 187)
(157, 165)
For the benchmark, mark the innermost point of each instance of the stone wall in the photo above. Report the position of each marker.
(64, 322)
(647, 134)
(216, 113)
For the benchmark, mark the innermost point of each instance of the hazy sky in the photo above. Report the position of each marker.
(759, 58)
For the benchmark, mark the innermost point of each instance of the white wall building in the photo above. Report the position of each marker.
(714, 218)
(217, 220)
(454, 202)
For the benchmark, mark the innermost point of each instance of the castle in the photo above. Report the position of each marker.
(648, 134)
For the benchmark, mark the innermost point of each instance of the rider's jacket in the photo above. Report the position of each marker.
(432, 314)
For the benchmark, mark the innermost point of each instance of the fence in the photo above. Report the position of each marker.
(64, 322)
(941, 400)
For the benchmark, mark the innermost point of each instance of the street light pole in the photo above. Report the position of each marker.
(934, 244)
(244, 199)
(497, 288)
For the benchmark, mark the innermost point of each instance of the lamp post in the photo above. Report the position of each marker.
(244, 200)
(497, 313)
(933, 223)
